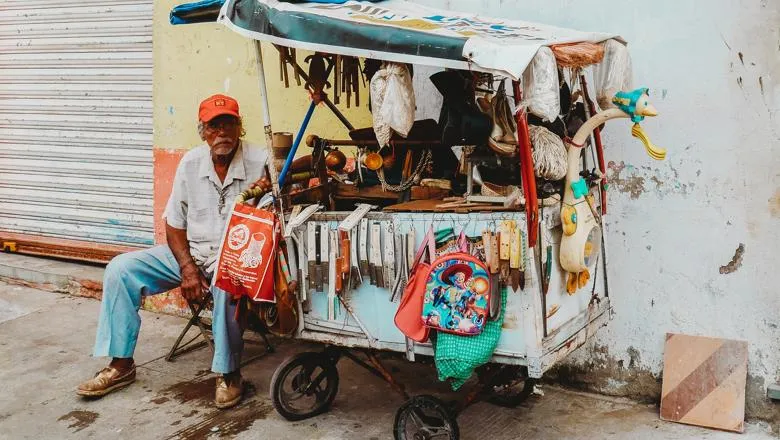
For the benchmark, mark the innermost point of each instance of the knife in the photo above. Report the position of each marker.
(354, 270)
(514, 256)
(363, 250)
(504, 246)
(388, 269)
(375, 257)
(411, 248)
(523, 255)
(324, 256)
(313, 256)
(333, 278)
(345, 266)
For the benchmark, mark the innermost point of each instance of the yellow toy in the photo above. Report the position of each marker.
(581, 240)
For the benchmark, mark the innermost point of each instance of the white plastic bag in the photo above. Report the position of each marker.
(541, 93)
(613, 73)
(392, 102)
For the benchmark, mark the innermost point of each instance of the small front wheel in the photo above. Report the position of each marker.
(425, 418)
(512, 394)
(304, 386)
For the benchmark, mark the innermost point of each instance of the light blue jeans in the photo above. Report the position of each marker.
(129, 277)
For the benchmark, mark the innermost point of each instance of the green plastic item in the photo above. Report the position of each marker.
(456, 356)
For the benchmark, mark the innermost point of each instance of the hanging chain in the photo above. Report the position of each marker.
(403, 186)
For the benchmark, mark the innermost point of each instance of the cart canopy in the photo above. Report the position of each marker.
(391, 30)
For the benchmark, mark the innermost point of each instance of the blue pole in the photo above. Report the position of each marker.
(297, 142)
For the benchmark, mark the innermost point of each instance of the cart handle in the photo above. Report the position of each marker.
(250, 194)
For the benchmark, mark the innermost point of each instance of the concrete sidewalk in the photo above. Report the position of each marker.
(46, 338)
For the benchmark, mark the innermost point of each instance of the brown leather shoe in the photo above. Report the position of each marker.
(105, 381)
(229, 392)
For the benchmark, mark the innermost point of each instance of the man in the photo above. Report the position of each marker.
(207, 181)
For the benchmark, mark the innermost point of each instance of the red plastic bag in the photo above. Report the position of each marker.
(247, 254)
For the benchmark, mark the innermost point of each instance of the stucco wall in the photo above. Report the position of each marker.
(713, 69)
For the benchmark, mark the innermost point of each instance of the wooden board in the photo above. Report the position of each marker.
(704, 381)
(344, 191)
(428, 193)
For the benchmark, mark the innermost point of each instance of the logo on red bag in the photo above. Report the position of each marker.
(252, 256)
(238, 236)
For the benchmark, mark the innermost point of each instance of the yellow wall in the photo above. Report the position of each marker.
(192, 62)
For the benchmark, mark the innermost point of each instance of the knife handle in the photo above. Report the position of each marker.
(505, 240)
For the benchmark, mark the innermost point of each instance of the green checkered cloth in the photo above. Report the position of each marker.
(457, 356)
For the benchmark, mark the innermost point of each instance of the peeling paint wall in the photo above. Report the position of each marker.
(714, 72)
(713, 68)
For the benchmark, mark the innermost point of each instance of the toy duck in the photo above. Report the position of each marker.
(581, 239)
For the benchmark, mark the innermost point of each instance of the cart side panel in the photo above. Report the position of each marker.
(374, 309)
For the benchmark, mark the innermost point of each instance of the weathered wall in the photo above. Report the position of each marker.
(714, 72)
(674, 226)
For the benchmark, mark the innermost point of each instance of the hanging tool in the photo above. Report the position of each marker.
(355, 216)
(375, 254)
(334, 281)
(355, 276)
(303, 269)
(283, 76)
(411, 247)
(345, 263)
(523, 256)
(402, 269)
(363, 250)
(337, 78)
(504, 246)
(350, 79)
(324, 255)
(389, 256)
(299, 218)
(514, 256)
(314, 260)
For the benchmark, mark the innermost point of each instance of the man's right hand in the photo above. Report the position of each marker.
(193, 283)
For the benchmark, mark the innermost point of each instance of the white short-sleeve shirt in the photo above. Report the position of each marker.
(200, 203)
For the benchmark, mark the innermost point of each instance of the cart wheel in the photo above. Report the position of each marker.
(304, 386)
(425, 418)
(512, 394)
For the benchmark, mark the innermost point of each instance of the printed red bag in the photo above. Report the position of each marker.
(247, 254)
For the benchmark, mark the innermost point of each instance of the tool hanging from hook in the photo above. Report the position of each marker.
(348, 74)
(287, 56)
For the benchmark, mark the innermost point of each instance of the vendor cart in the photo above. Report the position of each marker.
(544, 318)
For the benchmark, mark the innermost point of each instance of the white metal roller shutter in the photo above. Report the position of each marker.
(76, 120)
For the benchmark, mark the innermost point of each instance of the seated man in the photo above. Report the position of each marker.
(207, 181)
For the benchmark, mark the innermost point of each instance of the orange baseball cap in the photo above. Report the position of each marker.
(216, 105)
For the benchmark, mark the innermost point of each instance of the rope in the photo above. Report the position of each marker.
(549, 153)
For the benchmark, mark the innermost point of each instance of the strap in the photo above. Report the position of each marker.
(429, 244)
(463, 242)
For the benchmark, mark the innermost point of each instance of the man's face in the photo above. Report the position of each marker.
(222, 134)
